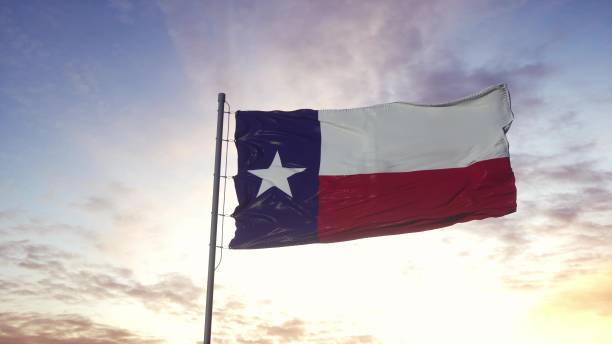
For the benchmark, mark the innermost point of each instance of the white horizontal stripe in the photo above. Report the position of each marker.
(404, 137)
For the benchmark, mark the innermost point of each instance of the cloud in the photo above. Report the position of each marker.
(569, 120)
(233, 317)
(123, 9)
(65, 277)
(570, 168)
(588, 293)
(97, 204)
(108, 200)
(36, 328)
(16, 38)
(339, 53)
(290, 330)
(553, 241)
(34, 228)
(83, 78)
(31, 256)
(450, 78)
(583, 172)
(342, 53)
(8, 214)
(562, 228)
(360, 339)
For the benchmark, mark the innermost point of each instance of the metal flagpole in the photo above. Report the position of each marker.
(212, 249)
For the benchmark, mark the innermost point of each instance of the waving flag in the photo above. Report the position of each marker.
(324, 176)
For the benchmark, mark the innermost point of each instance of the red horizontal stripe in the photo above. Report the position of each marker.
(367, 205)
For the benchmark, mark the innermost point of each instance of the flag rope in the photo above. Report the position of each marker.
(223, 215)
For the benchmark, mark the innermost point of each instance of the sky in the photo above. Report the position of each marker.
(107, 132)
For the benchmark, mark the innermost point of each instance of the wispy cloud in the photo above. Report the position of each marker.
(562, 228)
(123, 9)
(586, 293)
(452, 79)
(387, 52)
(36, 328)
(97, 204)
(65, 277)
(290, 330)
(256, 330)
(379, 46)
(82, 77)
(33, 227)
(8, 214)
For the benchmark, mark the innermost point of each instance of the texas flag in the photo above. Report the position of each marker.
(309, 176)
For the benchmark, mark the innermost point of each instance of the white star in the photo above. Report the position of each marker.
(275, 175)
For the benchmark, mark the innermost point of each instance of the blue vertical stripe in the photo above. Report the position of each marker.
(274, 218)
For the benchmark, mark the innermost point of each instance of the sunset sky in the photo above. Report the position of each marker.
(107, 120)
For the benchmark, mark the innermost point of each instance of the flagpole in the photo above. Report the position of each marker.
(212, 249)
